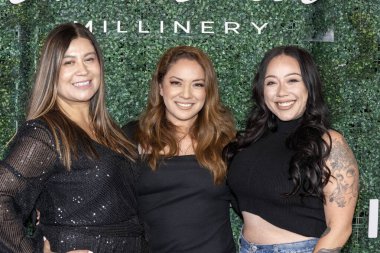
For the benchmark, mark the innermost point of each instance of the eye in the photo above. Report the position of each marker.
(294, 80)
(68, 62)
(200, 85)
(269, 83)
(175, 83)
(91, 59)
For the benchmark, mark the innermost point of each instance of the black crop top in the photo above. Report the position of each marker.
(259, 176)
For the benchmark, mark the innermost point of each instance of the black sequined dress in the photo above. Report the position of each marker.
(93, 206)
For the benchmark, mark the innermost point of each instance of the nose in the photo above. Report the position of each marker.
(82, 68)
(186, 91)
(282, 90)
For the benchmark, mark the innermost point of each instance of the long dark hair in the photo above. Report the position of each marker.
(307, 168)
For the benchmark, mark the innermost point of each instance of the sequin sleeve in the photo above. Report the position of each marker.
(23, 172)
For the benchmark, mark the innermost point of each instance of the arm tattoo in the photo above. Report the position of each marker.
(343, 168)
(336, 250)
(326, 232)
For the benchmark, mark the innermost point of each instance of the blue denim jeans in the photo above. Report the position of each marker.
(306, 246)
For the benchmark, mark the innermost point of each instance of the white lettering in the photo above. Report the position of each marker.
(141, 28)
(89, 25)
(17, 1)
(259, 28)
(204, 26)
(228, 28)
(183, 1)
(185, 29)
(161, 26)
(119, 27)
(105, 26)
(308, 1)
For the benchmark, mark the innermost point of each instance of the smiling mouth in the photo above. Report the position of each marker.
(184, 105)
(82, 84)
(285, 104)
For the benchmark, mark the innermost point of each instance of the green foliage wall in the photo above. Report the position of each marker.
(349, 65)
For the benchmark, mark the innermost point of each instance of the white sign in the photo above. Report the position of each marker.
(373, 218)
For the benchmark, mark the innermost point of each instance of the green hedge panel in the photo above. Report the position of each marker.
(349, 65)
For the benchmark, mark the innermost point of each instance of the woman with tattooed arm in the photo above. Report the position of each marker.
(295, 179)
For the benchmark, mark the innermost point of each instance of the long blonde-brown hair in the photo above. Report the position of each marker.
(212, 130)
(43, 101)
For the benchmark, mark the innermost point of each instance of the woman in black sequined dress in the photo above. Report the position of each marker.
(69, 160)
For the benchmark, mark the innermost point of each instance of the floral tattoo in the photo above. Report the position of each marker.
(343, 168)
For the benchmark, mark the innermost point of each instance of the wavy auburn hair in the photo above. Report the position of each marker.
(43, 101)
(307, 168)
(213, 129)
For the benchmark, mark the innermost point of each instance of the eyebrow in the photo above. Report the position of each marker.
(290, 74)
(73, 56)
(201, 79)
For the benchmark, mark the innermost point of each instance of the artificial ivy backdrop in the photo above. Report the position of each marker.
(343, 36)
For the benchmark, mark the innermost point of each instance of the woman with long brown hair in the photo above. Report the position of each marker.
(182, 194)
(69, 159)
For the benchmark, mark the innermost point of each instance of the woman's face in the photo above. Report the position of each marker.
(79, 75)
(285, 93)
(183, 91)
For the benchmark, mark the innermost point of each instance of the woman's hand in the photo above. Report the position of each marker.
(48, 250)
(47, 246)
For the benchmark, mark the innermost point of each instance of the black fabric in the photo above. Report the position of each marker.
(259, 177)
(184, 210)
(92, 207)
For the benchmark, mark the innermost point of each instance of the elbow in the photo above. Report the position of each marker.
(343, 234)
(340, 232)
(347, 232)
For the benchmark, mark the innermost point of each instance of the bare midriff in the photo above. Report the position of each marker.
(259, 231)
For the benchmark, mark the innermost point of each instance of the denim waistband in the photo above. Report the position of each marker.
(293, 247)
